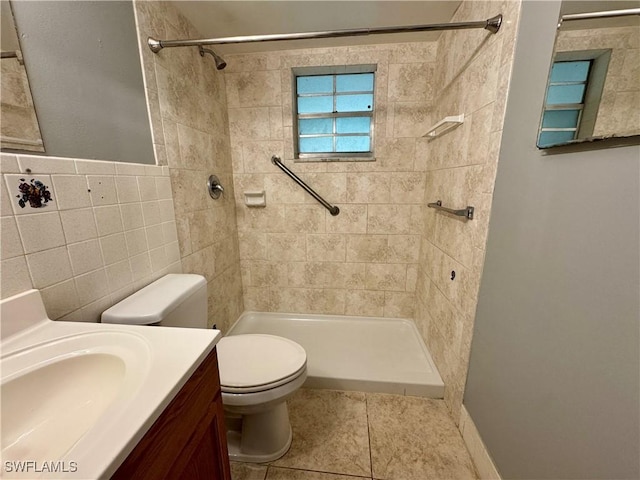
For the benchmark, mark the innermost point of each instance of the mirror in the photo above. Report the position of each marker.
(593, 90)
(85, 78)
(19, 127)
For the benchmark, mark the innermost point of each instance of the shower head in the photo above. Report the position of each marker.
(220, 63)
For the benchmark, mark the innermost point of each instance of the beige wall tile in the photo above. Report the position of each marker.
(39, 164)
(60, 299)
(326, 248)
(11, 243)
(114, 248)
(352, 219)
(119, 275)
(40, 231)
(78, 225)
(71, 191)
(132, 216)
(127, 189)
(91, 286)
(249, 123)
(102, 190)
(108, 220)
(14, 276)
(85, 256)
(253, 89)
(151, 213)
(367, 248)
(286, 247)
(385, 276)
(304, 218)
(369, 187)
(364, 303)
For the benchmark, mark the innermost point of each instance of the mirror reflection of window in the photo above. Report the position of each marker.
(593, 91)
(565, 102)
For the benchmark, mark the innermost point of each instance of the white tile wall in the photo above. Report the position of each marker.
(88, 247)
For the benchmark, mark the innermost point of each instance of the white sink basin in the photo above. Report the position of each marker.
(78, 396)
(59, 390)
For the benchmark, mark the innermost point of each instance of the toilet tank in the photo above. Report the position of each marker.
(175, 300)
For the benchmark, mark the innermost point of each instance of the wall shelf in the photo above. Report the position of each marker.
(444, 125)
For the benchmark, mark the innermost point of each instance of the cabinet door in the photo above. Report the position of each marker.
(208, 461)
(188, 440)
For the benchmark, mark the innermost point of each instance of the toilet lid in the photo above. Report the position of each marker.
(257, 362)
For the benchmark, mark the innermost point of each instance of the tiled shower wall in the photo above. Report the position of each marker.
(386, 253)
(190, 131)
(295, 256)
(108, 230)
(472, 75)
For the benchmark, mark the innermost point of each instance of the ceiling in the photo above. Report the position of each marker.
(216, 19)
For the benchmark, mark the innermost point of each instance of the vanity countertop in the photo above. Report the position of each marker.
(128, 374)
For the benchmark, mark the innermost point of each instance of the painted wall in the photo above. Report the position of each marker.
(190, 127)
(86, 79)
(472, 71)
(553, 385)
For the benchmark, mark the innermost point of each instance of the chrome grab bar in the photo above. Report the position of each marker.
(332, 208)
(465, 212)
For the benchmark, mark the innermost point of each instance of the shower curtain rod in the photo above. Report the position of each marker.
(491, 24)
(605, 14)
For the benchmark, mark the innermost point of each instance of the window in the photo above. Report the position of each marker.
(334, 112)
(574, 91)
(565, 102)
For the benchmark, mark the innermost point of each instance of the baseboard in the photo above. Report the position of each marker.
(478, 451)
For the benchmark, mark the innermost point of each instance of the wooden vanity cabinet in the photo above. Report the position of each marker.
(188, 440)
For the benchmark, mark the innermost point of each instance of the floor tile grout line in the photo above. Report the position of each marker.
(366, 405)
(348, 475)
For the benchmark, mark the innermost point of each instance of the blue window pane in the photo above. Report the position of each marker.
(353, 125)
(353, 144)
(316, 144)
(357, 82)
(315, 84)
(559, 94)
(315, 104)
(548, 139)
(354, 103)
(315, 125)
(570, 71)
(560, 119)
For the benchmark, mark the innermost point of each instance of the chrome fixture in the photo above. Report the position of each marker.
(220, 63)
(214, 187)
(492, 24)
(604, 14)
(465, 212)
(333, 210)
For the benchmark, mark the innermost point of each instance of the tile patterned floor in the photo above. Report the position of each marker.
(353, 435)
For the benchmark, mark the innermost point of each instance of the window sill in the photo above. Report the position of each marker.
(333, 159)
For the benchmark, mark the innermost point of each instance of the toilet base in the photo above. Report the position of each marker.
(261, 437)
(236, 455)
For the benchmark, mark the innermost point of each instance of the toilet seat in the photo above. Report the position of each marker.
(251, 363)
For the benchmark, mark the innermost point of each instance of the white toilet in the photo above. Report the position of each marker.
(257, 372)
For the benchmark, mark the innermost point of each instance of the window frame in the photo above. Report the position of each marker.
(588, 108)
(334, 71)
